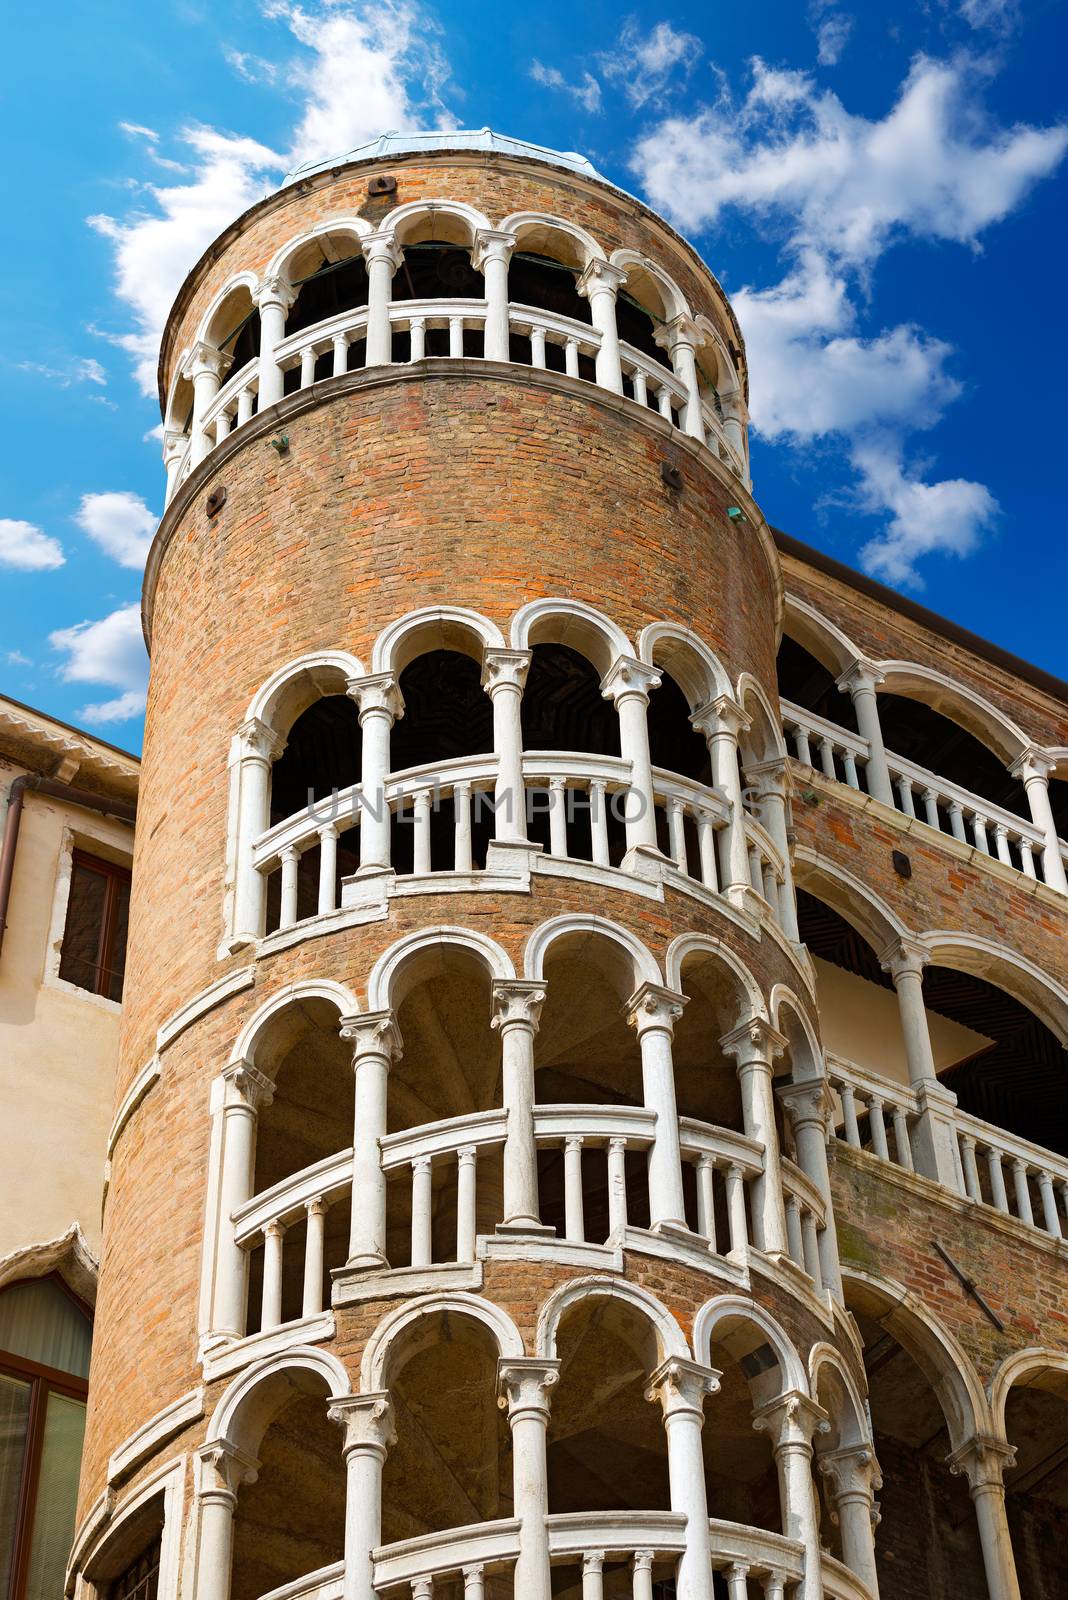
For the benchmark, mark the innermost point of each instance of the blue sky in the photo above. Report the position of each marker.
(883, 198)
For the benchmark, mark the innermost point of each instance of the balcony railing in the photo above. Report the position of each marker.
(919, 794)
(338, 345)
(997, 1169)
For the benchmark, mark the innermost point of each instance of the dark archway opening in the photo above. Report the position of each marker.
(807, 683)
(323, 754)
(920, 734)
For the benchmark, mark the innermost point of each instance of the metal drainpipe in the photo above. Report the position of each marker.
(124, 810)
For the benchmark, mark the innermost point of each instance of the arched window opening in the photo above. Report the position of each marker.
(741, 1481)
(290, 1521)
(330, 276)
(931, 740)
(807, 683)
(322, 755)
(448, 717)
(452, 1463)
(564, 711)
(918, 1491)
(674, 742)
(543, 273)
(235, 330)
(638, 326)
(45, 1338)
(436, 269)
(607, 1448)
(1036, 1488)
(450, 1069)
(706, 1081)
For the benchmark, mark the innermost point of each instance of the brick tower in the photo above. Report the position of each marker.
(469, 1227)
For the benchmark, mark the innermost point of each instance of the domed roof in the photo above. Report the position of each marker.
(394, 143)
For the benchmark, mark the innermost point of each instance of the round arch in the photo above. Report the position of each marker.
(670, 1339)
(1006, 969)
(742, 1326)
(434, 628)
(673, 302)
(178, 411)
(641, 965)
(783, 1004)
(531, 227)
(254, 1398)
(854, 901)
(386, 991)
(851, 1422)
(294, 687)
(685, 945)
(961, 705)
(375, 1367)
(211, 330)
(448, 221)
(696, 669)
(1034, 1368)
(291, 997)
(750, 691)
(343, 227)
(822, 639)
(570, 622)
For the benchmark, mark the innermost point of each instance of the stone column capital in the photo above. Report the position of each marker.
(373, 1033)
(382, 246)
(379, 693)
(1033, 765)
(491, 244)
(260, 740)
(904, 957)
(681, 330)
(204, 358)
(223, 1468)
(523, 1384)
(720, 717)
(600, 275)
(247, 1086)
(628, 676)
(517, 1003)
(652, 1007)
(754, 1041)
(852, 1471)
(505, 669)
(808, 1102)
(861, 676)
(174, 442)
(275, 290)
(367, 1423)
(791, 1421)
(681, 1386)
(983, 1460)
(767, 777)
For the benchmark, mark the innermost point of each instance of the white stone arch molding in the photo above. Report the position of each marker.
(675, 303)
(557, 620)
(1035, 1367)
(750, 688)
(1007, 969)
(290, 997)
(824, 1355)
(302, 680)
(240, 280)
(247, 1407)
(385, 987)
(376, 1365)
(808, 627)
(861, 907)
(685, 945)
(641, 965)
(784, 999)
(737, 1310)
(670, 1339)
(962, 705)
(433, 628)
(458, 217)
(694, 666)
(521, 223)
(330, 227)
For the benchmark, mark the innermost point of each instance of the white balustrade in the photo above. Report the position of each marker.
(234, 404)
(875, 1113)
(447, 1154)
(834, 751)
(806, 1218)
(725, 1165)
(841, 1584)
(767, 870)
(266, 1220)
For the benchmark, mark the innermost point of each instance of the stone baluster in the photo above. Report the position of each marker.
(516, 1009)
(791, 1423)
(367, 1424)
(706, 1199)
(474, 1586)
(523, 1386)
(290, 859)
(273, 1246)
(652, 1012)
(1021, 1188)
(504, 673)
(593, 1575)
(860, 682)
(314, 1244)
(754, 1045)
(383, 256)
(574, 1215)
(617, 1188)
(558, 816)
(1033, 768)
(706, 850)
(379, 702)
(221, 1469)
(737, 1226)
(1049, 1203)
(852, 1475)
(328, 837)
(376, 1045)
(680, 1387)
(205, 369)
(466, 1213)
(599, 284)
(769, 780)
(628, 683)
(984, 1461)
(274, 297)
(972, 1186)
(255, 747)
(735, 420)
(241, 1094)
(641, 1567)
(681, 338)
(422, 1177)
(417, 339)
(721, 721)
(463, 859)
(599, 823)
(422, 801)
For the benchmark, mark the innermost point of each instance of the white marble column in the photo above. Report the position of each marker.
(934, 1145)
(523, 1390)
(599, 284)
(245, 1092)
(490, 256)
(174, 448)
(1033, 768)
(984, 1461)
(653, 1012)
(274, 296)
(255, 748)
(769, 780)
(517, 1006)
(380, 704)
(860, 681)
(628, 684)
(852, 1475)
(721, 721)
(383, 256)
(221, 1469)
(791, 1423)
(205, 369)
(808, 1105)
(735, 420)
(681, 338)
(754, 1045)
(376, 1045)
(369, 1434)
(504, 672)
(680, 1387)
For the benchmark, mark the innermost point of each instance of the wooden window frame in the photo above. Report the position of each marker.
(43, 1381)
(115, 877)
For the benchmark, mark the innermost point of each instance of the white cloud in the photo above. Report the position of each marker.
(643, 65)
(26, 548)
(946, 518)
(998, 15)
(84, 370)
(849, 185)
(832, 36)
(120, 523)
(587, 91)
(110, 652)
(15, 658)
